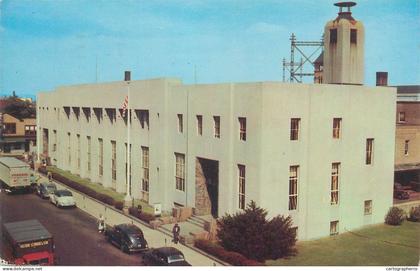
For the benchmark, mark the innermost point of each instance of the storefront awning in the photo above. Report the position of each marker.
(407, 167)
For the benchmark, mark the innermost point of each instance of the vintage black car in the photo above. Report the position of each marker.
(165, 256)
(44, 190)
(401, 194)
(127, 237)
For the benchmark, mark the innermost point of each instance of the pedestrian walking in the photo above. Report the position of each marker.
(101, 224)
(49, 175)
(175, 231)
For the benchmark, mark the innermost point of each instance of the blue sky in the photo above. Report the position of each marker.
(45, 44)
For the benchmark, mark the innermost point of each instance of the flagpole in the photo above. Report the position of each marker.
(128, 199)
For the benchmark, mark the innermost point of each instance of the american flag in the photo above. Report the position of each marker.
(124, 106)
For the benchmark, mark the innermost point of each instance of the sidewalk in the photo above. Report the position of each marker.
(113, 216)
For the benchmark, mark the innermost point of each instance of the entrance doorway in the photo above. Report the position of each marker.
(207, 187)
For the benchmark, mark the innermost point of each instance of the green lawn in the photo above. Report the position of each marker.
(373, 247)
(99, 188)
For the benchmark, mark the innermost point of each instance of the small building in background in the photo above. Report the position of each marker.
(17, 136)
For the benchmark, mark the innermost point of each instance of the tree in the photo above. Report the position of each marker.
(19, 108)
(252, 235)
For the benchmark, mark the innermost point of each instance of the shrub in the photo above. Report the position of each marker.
(119, 205)
(414, 214)
(252, 235)
(230, 257)
(105, 199)
(146, 217)
(395, 216)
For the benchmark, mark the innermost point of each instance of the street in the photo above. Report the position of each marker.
(75, 233)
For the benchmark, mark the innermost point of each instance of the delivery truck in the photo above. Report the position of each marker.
(27, 242)
(14, 174)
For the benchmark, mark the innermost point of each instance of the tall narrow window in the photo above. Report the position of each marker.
(101, 157)
(406, 147)
(294, 129)
(401, 116)
(242, 129)
(78, 151)
(216, 126)
(114, 163)
(143, 116)
(369, 151)
(334, 227)
(180, 171)
(69, 149)
(336, 127)
(293, 187)
(368, 207)
(333, 35)
(55, 140)
(180, 124)
(88, 153)
(241, 174)
(353, 36)
(199, 124)
(335, 171)
(145, 168)
(126, 166)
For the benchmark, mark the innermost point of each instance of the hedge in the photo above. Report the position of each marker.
(230, 257)
(146, 217)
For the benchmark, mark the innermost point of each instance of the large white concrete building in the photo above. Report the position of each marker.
(322, 153)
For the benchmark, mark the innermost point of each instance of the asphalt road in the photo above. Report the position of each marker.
(76, 238)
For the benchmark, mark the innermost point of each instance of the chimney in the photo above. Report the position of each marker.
(382, 79)
(127, 76)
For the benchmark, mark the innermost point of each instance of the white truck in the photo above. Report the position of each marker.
(14, 174)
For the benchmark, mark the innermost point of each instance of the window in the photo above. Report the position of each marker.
(143, 116)
(401, 116)
(55, 140)
(78, 151)
(334, 183)
(145, 167)
(294, 129)
(334, 227)
(86, 112)
(128, 170)
(98, 114)
(30, 130)
(336, 127)
(369, 151)
(9, 128)
(114, 163)
(180, 124)
(180, 171)
(76, 111)
(242, 129)
(241, 175)
(293, 187)
(69, 149)
(88, 153)
(199, 125)
(368, 207)
(406, 147)
(216, 126)
(333, 35)
(353, 36)
(101, 157)
(112, 114)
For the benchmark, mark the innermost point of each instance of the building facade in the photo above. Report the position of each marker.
(407, 138)
(323, 154)
(17, 136)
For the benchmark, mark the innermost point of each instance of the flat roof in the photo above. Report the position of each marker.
(12, 162)
(27, 230)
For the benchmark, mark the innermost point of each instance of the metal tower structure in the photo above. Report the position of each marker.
(296, 69)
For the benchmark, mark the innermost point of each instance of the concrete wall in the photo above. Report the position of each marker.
(266, 154)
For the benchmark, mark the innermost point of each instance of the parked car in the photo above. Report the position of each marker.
(169, 256)
(62, 198)
(44, 190)
(127, 237)
(401, 194)
(397, 186)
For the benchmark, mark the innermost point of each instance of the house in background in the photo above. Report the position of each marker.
(407, 138)
(17, 136)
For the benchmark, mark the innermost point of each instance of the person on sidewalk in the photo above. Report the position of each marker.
(49, 175)
(175, 231)
(101, 224)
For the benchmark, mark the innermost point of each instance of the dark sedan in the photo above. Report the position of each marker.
(127, 237)
(44, 190)
(401, 194)
(163, 256)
